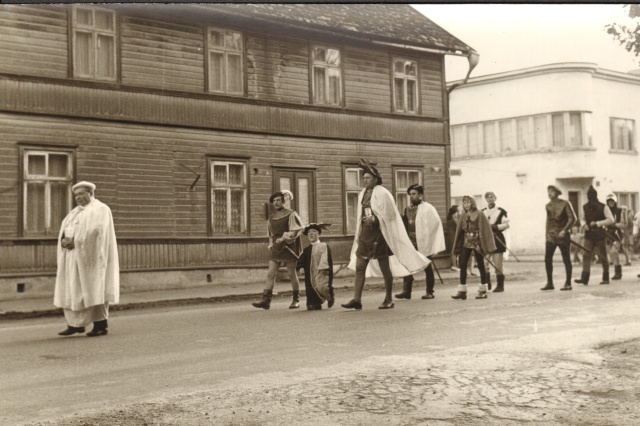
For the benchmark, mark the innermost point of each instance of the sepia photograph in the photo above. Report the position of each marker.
(316, 213)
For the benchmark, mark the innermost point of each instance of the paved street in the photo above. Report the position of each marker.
(521, 357)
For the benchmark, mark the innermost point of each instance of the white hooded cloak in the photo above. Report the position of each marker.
(405, 260)
(88, 275)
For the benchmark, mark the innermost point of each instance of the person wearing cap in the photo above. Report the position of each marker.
(615, 234)
(317, 263)
(87, 279)
(473, 236)
(381, 246)
(499, 222)
(597, 217)
(424, 227)
(560, 219)
(284, 228)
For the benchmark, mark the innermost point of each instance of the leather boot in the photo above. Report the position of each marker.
(295, 303)
(567, 286)
(386, 304)
(462, 292)
(407, 285)
(71, 330)
(489, 280)
(618, 272)
(605, 277)
(352, 304)
(99, 329)
(265, 302)
(500, 287)
(549, 286)
(584, 278)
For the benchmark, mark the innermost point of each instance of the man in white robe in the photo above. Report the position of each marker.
(425, 231)
(88, 277)
(381, 246)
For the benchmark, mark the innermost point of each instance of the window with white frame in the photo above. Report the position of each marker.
(326, 75)
(94, 43)
(352, 187)
(225, 61)
(622, 134)
(228, 197)
(46, 190)
(628, 200)
(404, 178)
(405, 85)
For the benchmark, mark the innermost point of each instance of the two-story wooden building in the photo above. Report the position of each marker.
(187, 117)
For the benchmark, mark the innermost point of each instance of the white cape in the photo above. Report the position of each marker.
(405, 260)
(88, 275)
(429, 231)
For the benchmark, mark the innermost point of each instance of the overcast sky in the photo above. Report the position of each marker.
(511, 36)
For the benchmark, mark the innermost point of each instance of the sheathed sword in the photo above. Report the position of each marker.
(507, 248)
(491, 263)
(579, 246)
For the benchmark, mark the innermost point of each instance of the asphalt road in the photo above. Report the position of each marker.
(156, 355)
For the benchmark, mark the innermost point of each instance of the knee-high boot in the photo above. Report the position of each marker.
(295, 303)
(618, 272)
(500, 287)
(584, 278)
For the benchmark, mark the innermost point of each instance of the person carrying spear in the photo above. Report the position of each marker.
(499, 222)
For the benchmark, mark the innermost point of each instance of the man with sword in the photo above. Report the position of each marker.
(424, 227)
(499, 222)
(560, 219)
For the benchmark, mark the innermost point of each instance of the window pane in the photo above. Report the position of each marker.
(540, 130)
(236, 174)
(399, 92)
(219, 174)
(410, 68)
(333, 57)
(524, 136)
(402, 179)
(35, 206)
(233, 41)
(352, 179)
(413, 177)
(285, 183)
(216, 72)
(60, 195)
(575, 129)
(84, 17)
(219, 201)
(489, 136)
(402, 200)
(459, 142)
(83, 54)
(318, 85)
(37, 165)
(352, 211)
(216, 39)
(631, 137)
(106, 57)
(319, 54)
(334, 95)
(398, 66)
(237, 211)
(234, 73)
(558, 129)
(58, 165)
(473, 139)
(303, 199)
(507, 138)
(104, 20)
(411, 95)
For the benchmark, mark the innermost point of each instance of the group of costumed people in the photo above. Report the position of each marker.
(386, 245)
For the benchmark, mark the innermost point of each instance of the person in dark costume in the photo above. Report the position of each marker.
(284, 228)
(381, 246)
(597, 216)
(499, 222)
(560, 219)
(424, 227)
(317, 263)
(615, 234)
(473, 236)
(451, 226)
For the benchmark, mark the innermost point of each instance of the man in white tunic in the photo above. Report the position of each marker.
(88, 277)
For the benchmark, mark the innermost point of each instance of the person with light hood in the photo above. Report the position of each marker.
(615, 234)
(381, 246)
(473, 236)
(597, 216)
(88, 275)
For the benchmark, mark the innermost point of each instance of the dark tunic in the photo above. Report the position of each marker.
(409, 219)
(500, 240)
(560, 217)
(594, 212)
(305, 262)
(282, 252)
(371, 242)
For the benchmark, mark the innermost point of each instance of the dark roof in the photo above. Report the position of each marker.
(395, 23)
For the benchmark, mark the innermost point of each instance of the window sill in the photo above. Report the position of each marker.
(623, 152)
(528, 152)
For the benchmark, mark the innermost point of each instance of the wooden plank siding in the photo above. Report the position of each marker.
(367, 79)
(162, 55)
(431, 87)
(34, 40)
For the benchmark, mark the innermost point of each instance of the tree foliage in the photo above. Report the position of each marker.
(628, 34)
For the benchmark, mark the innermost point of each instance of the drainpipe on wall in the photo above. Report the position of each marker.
(474, 59)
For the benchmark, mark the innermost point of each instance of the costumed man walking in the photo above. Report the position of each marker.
(88, 275)
(615, 234)
(284, 228)
(473, 236)
(425, 231)
(499, 222)
(560, 219)
(597, 216)
(381, 246)
(317, 263)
